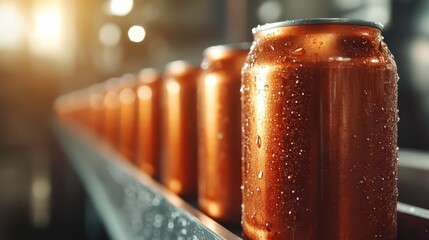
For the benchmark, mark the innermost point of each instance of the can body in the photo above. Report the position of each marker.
(96, 109)
(111, 117)
(179, 143)
(127, 122)
(219, 132)
(319, 117)
(148, 126)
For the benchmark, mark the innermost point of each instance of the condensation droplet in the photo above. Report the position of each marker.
(258, 141)
(266, 88)
(260, 174)
(298, 52)
(267, 226)
(291, 178)
(292, 214)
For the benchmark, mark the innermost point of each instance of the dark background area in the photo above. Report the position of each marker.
(51, 47)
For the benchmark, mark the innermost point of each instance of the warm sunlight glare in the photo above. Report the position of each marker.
(47, 35)
(11, 26)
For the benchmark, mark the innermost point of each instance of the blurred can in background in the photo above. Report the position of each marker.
(96, 94)
(219, 132)
(148, 126)
(319, 117)
(179, 143)
(127, 116)
(111, 106)
(71, 107)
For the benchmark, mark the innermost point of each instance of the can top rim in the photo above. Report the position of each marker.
(148, 75)
(231, 46)
(179, 66)
(315, 21)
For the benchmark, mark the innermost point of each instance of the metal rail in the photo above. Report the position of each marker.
(131, 204)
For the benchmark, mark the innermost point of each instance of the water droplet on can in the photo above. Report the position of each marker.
(266, 88)
(260, 174)
(267, 226)
(298, 52)
(258, 141)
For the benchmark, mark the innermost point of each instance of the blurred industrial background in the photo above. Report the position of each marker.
(51, 47)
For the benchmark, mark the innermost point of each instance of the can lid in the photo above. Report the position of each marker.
(225, 47)
(112, 83)
(316, 21)
(127, 80)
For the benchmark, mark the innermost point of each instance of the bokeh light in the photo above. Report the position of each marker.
(109, 34)
(47, 35)
(11, 26)
(136, 33)
(270, 11)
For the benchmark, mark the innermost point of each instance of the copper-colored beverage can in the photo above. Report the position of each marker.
(111, 108)
(62, 108)
(96, 106)
(219, 132)
(81, 107)
(179, 143)
(66, 108)
(148, 126)
(319, 118)
(127, 117)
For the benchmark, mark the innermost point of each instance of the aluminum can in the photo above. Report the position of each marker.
(319, 117)
(148, 126)
(219, 132)
(96, 94)
(111, 114)
(127, 116)
(179, 144)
